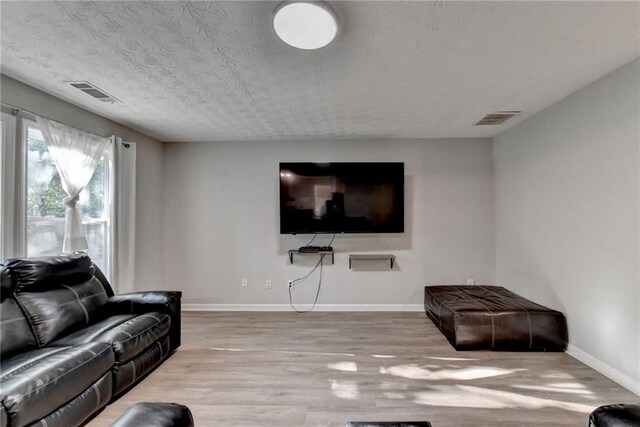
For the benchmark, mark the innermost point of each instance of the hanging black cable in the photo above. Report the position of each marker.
(320, 264)
(312, 239)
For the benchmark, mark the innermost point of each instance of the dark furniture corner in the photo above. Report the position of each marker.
(155, 414)
(69, 345)
(616, 415)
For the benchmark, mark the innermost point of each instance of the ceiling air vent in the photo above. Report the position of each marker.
(497, 118)
(97, 93)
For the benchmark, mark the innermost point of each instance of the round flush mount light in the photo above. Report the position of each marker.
(305, 25)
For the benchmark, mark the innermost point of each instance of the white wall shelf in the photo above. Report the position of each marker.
(293, 252)
(373, 257)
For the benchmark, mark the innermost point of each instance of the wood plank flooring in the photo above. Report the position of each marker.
(326, 368)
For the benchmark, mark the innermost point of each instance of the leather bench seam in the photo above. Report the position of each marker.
(493, 327)
(513, 300)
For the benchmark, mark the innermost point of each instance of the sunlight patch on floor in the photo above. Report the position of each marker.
(464, 396)
(558, 376)
(345, 389)
(434, 373)
(314, 352)
(344, 366)
(451, 359)
(569, 390)
(393, 395)
(285, 351)
(568, 385)
(225, 349)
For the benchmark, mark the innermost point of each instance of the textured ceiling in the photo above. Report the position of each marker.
(207, 71)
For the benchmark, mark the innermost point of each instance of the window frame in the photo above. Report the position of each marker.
(120, 206)
(21, 220)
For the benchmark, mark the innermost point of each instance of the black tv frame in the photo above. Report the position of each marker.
(396, 168)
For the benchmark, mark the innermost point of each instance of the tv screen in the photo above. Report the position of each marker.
(341, 198)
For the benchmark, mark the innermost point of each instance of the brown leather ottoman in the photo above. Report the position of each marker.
(155, 414)
(493, 318)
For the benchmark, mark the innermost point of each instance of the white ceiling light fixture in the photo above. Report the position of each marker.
(305, 25)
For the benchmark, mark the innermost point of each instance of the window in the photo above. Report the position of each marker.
(45, 211)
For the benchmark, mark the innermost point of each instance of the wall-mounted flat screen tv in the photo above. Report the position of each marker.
(341, 198)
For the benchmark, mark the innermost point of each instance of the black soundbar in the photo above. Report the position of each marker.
(314, 249)
(309, 249)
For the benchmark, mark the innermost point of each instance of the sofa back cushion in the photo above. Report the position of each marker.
(15, 333)
(35, 274)
(58, 294)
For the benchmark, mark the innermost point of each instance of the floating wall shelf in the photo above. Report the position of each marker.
(373, 257)
(293, 252)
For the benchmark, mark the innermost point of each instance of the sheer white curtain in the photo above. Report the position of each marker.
(8, 233)
(124, 216)
(76, 154)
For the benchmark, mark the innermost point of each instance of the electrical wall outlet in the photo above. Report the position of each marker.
(290, 284)
(471, 282)
(244, 283)
(268, 284)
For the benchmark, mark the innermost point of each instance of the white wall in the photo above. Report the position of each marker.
(221, 222)
(148, 169)
(568, 218)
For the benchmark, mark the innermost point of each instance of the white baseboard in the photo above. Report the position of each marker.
(287, 307)
(609, 371)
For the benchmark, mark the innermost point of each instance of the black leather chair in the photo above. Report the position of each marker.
(68, 345)
(617, 415)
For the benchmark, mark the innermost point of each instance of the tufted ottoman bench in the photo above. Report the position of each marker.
(155, 414)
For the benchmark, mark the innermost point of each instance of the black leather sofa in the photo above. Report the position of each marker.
(68, 345)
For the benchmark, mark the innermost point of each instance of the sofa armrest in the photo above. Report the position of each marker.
(145, 302)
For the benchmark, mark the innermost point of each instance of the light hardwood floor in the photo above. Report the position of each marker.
(324, 369)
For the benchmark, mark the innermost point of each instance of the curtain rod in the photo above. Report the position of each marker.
(15, 110)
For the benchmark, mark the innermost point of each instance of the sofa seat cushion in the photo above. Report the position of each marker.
(129, 334)
(36, 383)
(92, 332)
